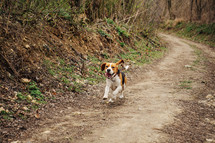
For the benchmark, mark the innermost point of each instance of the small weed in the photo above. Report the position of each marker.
(186, 84)
(77, 87)
(6, 115)
(198, 53)
(122, 44)
(105, 55)
(94, 59)
(190, 27)
(179, 25)
(62, 62)
(110, 21)
(34, 107)
(52, 72)
(35, 91)
(199, 57)
(121, 32)
(22, 116)
(91, 80)
(89, 29)
(102, 33)
(21, 96)
(65, 80)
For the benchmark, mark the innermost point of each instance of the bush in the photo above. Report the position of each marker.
(36, 8)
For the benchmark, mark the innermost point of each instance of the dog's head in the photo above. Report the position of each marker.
(111, 69)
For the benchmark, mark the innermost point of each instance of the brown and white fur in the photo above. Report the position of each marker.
(115, 80)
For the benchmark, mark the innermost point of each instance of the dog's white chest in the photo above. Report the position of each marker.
(114, 83)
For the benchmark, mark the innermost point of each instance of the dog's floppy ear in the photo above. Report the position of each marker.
(119, 62)
(103, 66)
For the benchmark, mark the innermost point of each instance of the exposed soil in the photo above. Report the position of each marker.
(165, 102)
(61, 64)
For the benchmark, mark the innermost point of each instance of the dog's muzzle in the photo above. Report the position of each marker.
(108, 75)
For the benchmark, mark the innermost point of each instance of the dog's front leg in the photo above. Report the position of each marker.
(116, 91)
(107, 89)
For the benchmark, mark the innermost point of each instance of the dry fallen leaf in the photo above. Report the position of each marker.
(25, 108)
(54, 93)
(2, 109)
(37, 114)
(29, 97)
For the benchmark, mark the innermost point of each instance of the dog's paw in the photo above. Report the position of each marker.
(110, 100)
(105, 98)
(121, 96)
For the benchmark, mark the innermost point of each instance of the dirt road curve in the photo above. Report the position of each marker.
(150, 104)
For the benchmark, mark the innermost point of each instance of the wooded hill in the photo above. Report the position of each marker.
(51, 50)
(200, 11)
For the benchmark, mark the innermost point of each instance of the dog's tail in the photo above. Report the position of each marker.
(125, 67)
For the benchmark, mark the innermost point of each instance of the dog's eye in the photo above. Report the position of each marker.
(106, 66)
(113, 67)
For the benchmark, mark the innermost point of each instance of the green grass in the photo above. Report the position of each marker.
(21, 96)
(203, 33)
(122, 32)
(121, 29)
(186, 84)
(36, 93)
(122, 44)
(199, 56)
(143, 54)
(102, 33)
(74, 81)
(34, 107)
(6, 115)
(110, 21)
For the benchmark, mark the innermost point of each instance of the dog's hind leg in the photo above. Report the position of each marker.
(121, 95)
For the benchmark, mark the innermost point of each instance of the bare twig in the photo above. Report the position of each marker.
(10, 65)
(135, 15)
(8, 22)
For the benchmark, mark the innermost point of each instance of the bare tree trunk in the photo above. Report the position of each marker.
(199, 8)
(169, 5)
(191, 10)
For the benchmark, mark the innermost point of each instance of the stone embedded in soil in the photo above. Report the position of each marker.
(77, 113)
(27, 46)
(187, 66)
(16, 142)
(209, 96)
(46, 132)
(25, 80)
(209, 140)
(34, 101)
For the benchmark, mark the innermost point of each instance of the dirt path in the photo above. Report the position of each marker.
(150, 104)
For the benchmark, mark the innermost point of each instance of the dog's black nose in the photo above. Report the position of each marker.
(108, 70)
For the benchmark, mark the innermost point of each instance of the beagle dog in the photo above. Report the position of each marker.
(115, 79)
